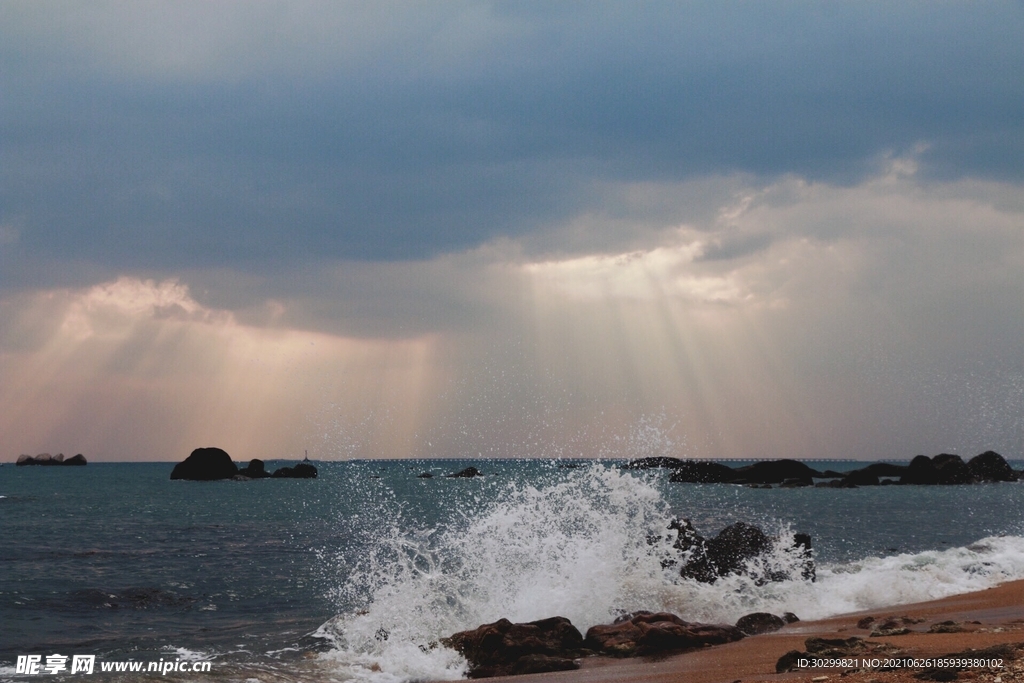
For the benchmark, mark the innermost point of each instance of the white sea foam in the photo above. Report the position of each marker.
(590, 547)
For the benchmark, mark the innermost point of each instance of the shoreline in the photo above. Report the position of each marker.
(998, 611)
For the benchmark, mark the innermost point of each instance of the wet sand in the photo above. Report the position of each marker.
(990, 617)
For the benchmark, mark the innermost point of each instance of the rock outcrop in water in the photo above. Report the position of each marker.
(254, 470)
(467, 473)
(205, 464)
(730, 552)
(944, 468)
(990, 466)
(504, 648)
(212, 464)
(47, 460)
(301, 471)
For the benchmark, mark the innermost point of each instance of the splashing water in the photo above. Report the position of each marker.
(591, 544)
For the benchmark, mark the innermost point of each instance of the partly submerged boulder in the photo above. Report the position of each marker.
(504, 648)
(301, 471)
(921, 470)
(254, 470)
(467, 473)
(205, 464)
(944, 468)
(774, 472)
(732, 550)
(952, 469)
(990, 466)
(654, 462)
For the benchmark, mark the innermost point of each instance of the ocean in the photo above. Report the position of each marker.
(357, 574)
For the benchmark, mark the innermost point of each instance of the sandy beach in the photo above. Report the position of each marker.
(987, 618)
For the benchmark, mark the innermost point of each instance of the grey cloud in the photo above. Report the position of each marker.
(173, 136)
(730, 248)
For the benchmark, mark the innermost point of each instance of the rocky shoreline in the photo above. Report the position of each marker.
(554, 644)
(504, 648)
(977, 637)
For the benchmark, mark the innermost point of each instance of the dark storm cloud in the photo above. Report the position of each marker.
(419, 130)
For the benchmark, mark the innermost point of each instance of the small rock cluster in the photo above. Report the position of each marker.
(554, 644)
(212, 464)
(47, 460)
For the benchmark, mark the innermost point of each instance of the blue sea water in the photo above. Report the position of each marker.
(359, 573)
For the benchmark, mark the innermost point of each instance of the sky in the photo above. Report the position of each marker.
(511, 229)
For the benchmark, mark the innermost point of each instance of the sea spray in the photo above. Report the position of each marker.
(589, 544)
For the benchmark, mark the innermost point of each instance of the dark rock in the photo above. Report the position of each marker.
(702, 472)
(728, 553)
(466, 473)
(759, 622)
(832, 474)
(301, 471)
(499, 649)
(254, 470)
(802, 542)
(775, 471)
(654, 633)
(790, 618)
(835, 484)
(788, 661)
(653, 463)
(862, 477)
(424, 475)
(796, 483)
(205, 464)
(944, 468)
(737, 543)
(885, 469)
(990, 466)
(47, 460)
(952, 469)
(921, 470)
(865, 622)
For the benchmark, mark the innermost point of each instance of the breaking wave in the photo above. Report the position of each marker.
(591, 544)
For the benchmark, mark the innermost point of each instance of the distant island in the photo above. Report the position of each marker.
(47, 460)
